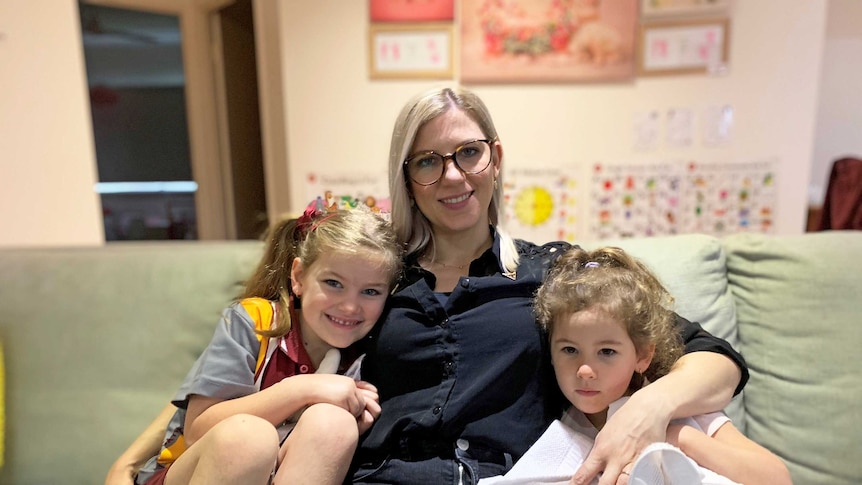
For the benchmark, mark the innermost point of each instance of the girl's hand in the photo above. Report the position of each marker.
(335, 389)
(120, 476)
(372, 406)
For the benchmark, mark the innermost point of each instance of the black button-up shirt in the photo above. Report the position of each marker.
(477, 367)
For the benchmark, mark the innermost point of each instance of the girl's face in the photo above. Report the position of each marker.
(594, 360)
(458, 201)
(342, 298)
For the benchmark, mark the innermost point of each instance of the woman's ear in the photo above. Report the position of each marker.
(645, 359)
(497, 154)
(296, 272)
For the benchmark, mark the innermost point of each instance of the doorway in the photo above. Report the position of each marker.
(177, 137)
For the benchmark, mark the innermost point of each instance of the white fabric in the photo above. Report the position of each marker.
(562, 448)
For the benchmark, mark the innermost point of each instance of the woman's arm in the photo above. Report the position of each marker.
(145, 446)
(728, 452)
(699, 382)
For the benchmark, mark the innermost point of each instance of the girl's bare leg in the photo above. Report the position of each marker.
(319, 449)
(240, 450)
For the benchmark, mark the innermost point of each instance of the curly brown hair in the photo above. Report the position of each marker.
(621, 286)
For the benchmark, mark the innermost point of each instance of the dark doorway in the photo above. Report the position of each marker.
(135, 73)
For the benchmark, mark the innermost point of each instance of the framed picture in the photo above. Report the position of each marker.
(410, 51)
(411, 10)
(683, 47)
(543, 41)
(682, 8)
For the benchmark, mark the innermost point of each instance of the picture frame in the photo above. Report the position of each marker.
(410, 51)
(655, 9)
(694, 46)
(411, 10)
(547, 41)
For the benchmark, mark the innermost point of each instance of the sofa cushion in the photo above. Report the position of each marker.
(97, 341)
(692, 268)
(798, 304)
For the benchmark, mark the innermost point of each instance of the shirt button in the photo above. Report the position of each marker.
(449, 366)
(445, 322)
(436, 410)
(303, 369)
(465, 282)
(462, 444)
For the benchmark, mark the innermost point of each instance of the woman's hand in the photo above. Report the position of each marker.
(638, 423)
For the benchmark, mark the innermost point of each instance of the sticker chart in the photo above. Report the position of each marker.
(682, 197)
(635, 200)
(727, 198)
(540, 204)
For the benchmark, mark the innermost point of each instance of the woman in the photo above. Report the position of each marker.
(464, 380)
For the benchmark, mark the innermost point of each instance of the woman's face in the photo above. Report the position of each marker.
(458, 202)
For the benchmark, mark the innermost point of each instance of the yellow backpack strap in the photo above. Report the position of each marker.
(260, 310)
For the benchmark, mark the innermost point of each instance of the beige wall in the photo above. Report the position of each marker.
(47, 161)
(338, 119)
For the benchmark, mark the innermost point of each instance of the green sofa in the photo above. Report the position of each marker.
(96, 341)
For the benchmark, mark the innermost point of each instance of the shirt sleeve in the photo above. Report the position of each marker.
(697, 339)
(225, 369)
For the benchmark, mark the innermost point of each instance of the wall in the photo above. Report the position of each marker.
(839, 113)
(340, 120)
(47, 160)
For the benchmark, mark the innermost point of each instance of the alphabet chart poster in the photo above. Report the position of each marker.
(635, 200)
(724, 198)
(540, 204)
(347, 190)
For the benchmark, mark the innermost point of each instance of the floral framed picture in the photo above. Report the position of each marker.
(411, 10)
(410, 51)
(547, 41)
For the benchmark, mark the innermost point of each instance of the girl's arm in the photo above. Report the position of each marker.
(699, 382)
(146, 445)
(276, 403)
(729, 453)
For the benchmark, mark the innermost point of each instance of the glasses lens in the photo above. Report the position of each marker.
(425, 168)
(473, 157)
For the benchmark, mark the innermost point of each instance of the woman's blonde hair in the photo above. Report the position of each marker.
(410, 224)
(356, 231)
(622, 287)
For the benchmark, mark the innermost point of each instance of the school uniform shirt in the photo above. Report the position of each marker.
(226, 370)
(472, 370)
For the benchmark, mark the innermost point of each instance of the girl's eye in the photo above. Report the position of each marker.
(371, 292)
(569, 350)
(332, 283)
(607, 352)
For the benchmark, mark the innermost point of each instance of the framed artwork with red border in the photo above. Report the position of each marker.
(411, 10)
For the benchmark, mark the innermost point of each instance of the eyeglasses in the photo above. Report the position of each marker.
(427, 168)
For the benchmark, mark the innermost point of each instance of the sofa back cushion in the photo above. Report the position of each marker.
(98, 340)
(692, 268)
(799, 304)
